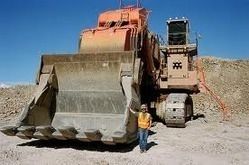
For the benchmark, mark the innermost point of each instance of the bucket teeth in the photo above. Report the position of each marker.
(107, 140)
(25, 132)
(93, 134)
(68, 132)
(58, 135)
(44, 132)
(119, 136)
(40, 136)
(65, 132)
(82, 137)
(9, 130)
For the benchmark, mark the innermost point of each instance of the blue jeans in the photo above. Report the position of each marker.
(143, 136)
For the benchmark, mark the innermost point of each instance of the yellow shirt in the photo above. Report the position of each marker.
(144, 120)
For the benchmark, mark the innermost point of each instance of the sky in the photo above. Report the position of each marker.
(30, 28)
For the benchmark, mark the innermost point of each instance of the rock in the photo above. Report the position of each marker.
(13, 99)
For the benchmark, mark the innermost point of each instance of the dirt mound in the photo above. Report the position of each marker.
(14, 99)
(229, 79)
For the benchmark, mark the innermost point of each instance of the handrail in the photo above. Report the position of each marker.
(224, 109)
(137, 5)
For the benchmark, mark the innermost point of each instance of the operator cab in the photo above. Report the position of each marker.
(178, 31)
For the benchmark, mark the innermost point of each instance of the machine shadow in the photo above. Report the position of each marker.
(92, 146)
(151, 144)
(151, 132)
(78, 145)
(198, 115)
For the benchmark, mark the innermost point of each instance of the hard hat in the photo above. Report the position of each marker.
(144, 106)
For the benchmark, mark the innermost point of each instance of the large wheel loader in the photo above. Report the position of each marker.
(85, 96)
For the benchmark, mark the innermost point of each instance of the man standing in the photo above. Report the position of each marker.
(144, 124)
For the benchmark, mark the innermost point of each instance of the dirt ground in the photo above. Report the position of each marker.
(205, 140)
(201, 142)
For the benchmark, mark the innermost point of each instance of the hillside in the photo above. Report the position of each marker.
(230, 81)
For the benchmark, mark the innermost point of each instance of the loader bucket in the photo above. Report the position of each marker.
(84, 97)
